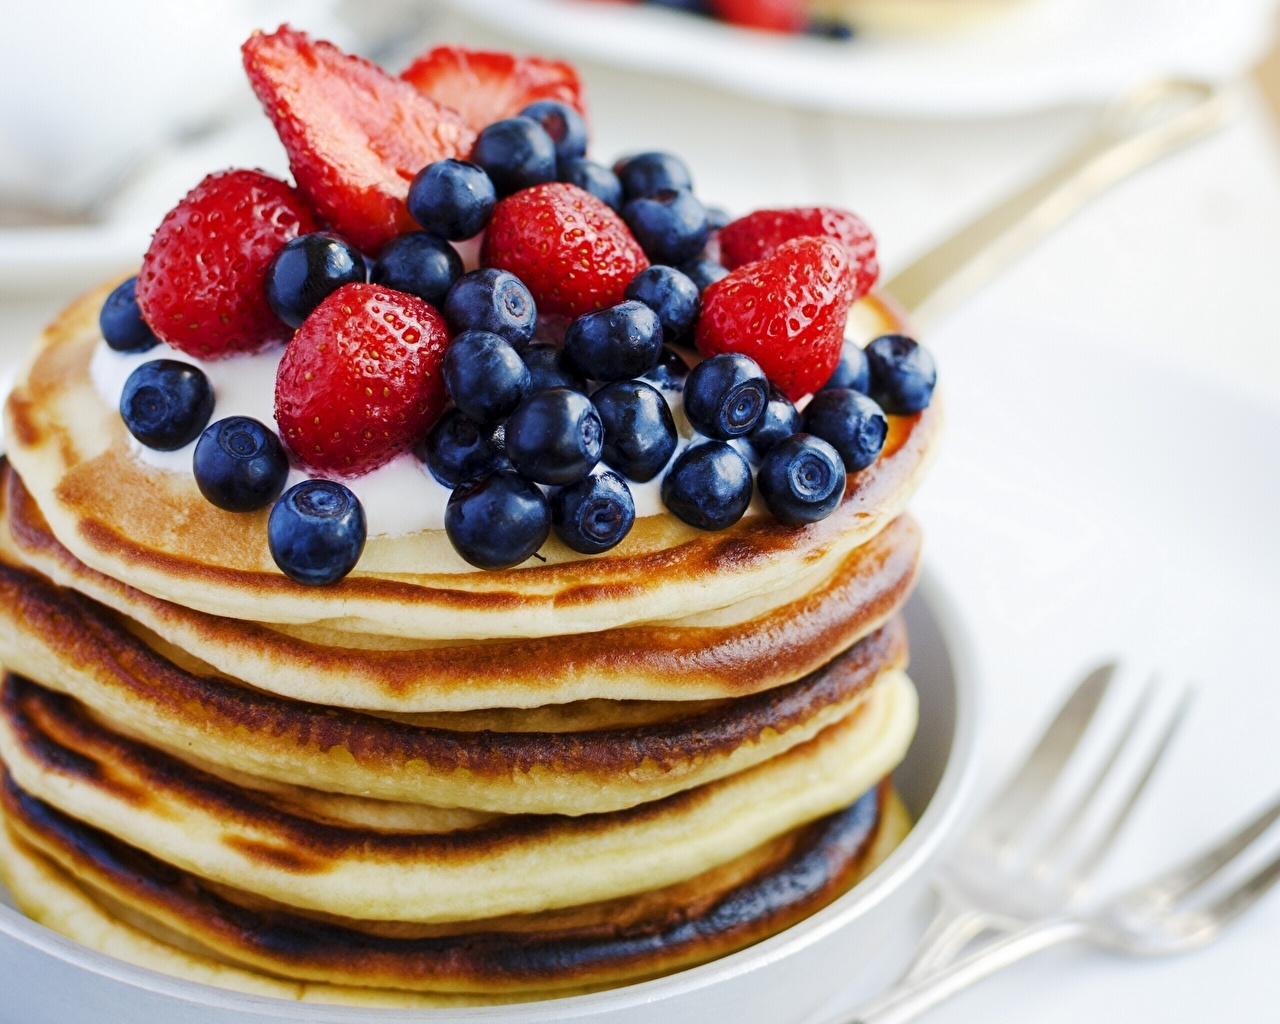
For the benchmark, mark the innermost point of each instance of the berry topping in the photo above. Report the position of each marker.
(165, 404)
(647, 173)
(801, 479)
(306, 270)
(670, 224)
(594, 514)
(516, 153)
(555, 436)
(497, 521)
(240, 464)
(850, 422)
(639, 430)
(769, 15)
(202, 286)
(670, 372)
(717, 218)
(852, 371)
(420, 264)
(563, 123)
(355, 136)
(121, 321)
(485, 376)
(902, 374)
(780, 420)
(548, 368)
(574, 253)
(452, 199)
(708, 486)
(459, 448)
(703, 273)
(316, 532)
(615, 343)
(671, 295)
(725, 396)
(594, 178)
(495, 301)
(361, 379)
(786, 311)
(758, 235)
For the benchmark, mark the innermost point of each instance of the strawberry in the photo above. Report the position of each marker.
(571, 251)
(361, 380)
(758, 234)
(201, 284)
(486, 86)
(355, 136)
(772, 15)
(786, 311)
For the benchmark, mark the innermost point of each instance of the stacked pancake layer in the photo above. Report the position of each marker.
(426, 785)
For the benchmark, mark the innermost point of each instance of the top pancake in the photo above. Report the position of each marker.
(154, 530)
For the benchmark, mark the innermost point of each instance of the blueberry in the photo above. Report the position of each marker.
(829, 28)
(780, 420)
(555, 436)
(853, 371)
(850, 422)
(452, 199)
(670, 373)
(516, 153)
(548, 368)
(316, 532)
(420, 264)
(497, 521)
(709, 486)
(563, 123)
(670, 224)
(240, 464)
(717, 217)
(801, 479)
(594, 514)
(121, 320)
(306, 270)
(703, 273)
(698, 7)
(484, 375)
(495, 301)
(647, 173)
(671, 295)
(902, 374)
(725, 396)
(615, 343)
(458, 448)
(639, 430)
(594, 178)
(165, 404)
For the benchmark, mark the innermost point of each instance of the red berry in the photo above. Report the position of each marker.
(787, 312)
(772, 15)
(758, 234)
(201, 284)
(486, 86)
(355, 136)
(361, 380)
(570, 249)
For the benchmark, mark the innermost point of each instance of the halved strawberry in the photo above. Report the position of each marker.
(355, 136)
(771, 15)
(486, 86)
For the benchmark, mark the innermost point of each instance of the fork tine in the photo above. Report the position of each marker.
(1247, 894)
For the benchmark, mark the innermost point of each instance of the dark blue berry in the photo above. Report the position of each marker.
(725, 396)
(701, 8)
(717, 217)
(670, 373)
(420, 264)
(555, 436)
(484, 376)
(902, 374)
(458, 448)
(516, 153)
(452, 199)
(829, 28)
(497, 521)
(709, 486)
(316, 532)
(639, 430)
(853, 371)
(165, 404)
(594, 514)
(495, 301)
(780, 420)
(647, 173)
(671, 295)
(548, 368)
(240, 464)
(121, 320)
(850, 422)
(308, 269)
(801, 479)
(594, 178)
(670, 224)
(563, 123)
(703, 273)
(615, 343)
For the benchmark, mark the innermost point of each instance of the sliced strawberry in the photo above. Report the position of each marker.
(361, 380)
(771, 15)
(758, 234)
(355, 136)
(486, 86)
(201, 284)
(572, 251)
(787, 312)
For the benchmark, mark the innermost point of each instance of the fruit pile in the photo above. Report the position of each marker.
(541, 386)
